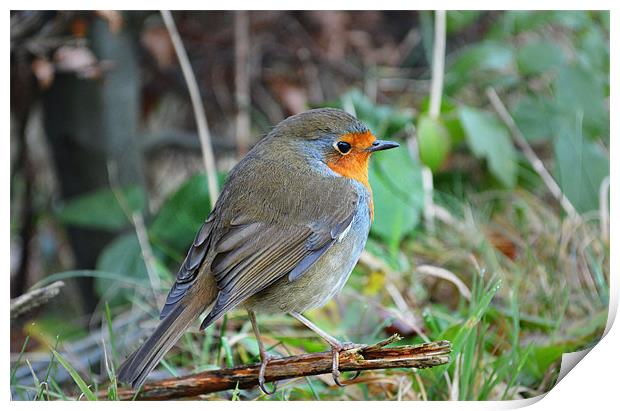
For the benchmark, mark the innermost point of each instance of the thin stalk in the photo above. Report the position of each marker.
(199, 111)
(439, 57)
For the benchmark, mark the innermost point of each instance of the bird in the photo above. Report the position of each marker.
(283, 237)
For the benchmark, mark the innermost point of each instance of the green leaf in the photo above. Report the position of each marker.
(122, 256)
(581, 166)
(579, 90)
(457, 20)
(487, 55)
(100, 209)
(487, 138)
(474, 64)
(532, 116)
(538, 57)
(384, 121)
(396, 181)
(517, 21)
(433, 142)
(542, 357)
(593, 50)
(76, 376)
(571, 19)
(181, 215)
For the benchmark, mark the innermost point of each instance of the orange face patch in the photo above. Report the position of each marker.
(355, 164)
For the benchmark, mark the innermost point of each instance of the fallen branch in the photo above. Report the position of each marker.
(34, 298)
(372, 357)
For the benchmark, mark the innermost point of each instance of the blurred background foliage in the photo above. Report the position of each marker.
(468, 244)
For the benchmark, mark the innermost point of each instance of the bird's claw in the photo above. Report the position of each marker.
(336, 350)
(261, 376)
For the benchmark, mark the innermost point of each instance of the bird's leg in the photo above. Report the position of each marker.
(265, 357)
(337, 347)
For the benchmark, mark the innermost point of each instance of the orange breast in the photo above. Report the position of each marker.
(355, 164)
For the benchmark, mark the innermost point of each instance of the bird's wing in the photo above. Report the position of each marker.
(191, 266)
(253, 255)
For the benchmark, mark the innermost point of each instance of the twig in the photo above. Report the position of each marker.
(147, 251)
(138, 222)
(242, 83)
(199, 111)
(366, 358)
(34, 298)
(529, 153)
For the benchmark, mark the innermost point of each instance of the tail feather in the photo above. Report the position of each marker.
(139, 364)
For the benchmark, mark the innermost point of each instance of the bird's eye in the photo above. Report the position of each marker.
(343, 147)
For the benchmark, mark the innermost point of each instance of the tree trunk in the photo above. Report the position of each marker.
(90, 122)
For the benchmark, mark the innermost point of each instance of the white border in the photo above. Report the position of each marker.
(593, 382)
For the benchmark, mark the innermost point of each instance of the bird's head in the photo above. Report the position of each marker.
(334, 138)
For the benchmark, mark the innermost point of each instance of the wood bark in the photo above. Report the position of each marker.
(373, 357)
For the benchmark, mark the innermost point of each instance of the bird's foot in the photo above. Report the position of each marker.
(336, 350)
(261, 375)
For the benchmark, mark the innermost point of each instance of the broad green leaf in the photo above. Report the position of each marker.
(517, 21)
(449, 118)
(396, 181)
(122, 256)
(487, 138)
(486, 55)
(457, 20)
(383, 120)
(581, 167)
(579, 91)
(532, 116)
(474, 63)
(571, 19)
(604, 18)
(538, 57)
(433, 142)
(593, 51)
(181, 215)
(101, 209)
(542, 357)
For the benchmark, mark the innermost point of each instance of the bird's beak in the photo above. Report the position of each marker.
(379, 145)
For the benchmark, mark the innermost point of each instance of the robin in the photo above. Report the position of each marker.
(283, 237)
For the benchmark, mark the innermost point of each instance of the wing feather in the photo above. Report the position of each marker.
(249, 252)
(188, 271)
(252, 259)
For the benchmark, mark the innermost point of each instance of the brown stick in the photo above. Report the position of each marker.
(372, 357)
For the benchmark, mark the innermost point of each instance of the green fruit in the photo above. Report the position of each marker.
(433, 142)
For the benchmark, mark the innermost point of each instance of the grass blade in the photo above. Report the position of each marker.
(76, 377)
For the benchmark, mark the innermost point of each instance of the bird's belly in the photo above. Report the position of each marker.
(323, 280)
